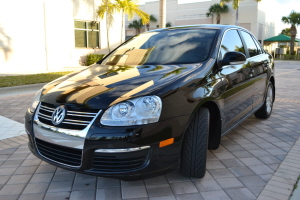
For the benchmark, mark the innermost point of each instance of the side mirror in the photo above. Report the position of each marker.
(232, 58)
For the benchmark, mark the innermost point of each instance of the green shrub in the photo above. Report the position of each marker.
(92, 58)
(291, 57)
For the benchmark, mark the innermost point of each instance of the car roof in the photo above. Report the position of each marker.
(210, 26)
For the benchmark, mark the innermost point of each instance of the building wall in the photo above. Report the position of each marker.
(252, 15)
(38, 35)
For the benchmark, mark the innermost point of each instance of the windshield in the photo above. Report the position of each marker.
(179, 46)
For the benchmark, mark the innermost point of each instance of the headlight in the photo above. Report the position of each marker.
(143, 110)
(35, 101)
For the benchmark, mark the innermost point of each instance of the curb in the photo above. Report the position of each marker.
(19, 90)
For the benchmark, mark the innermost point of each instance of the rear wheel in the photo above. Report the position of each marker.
(194, 147)
(265, 111)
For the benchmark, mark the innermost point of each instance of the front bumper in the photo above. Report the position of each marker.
(125, 153)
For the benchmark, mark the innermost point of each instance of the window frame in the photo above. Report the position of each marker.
(87, 29)
(245, 44)
(224, 33)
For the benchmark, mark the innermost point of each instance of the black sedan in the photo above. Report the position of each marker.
(154, 104)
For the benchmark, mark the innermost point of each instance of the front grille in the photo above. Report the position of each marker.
(76, 120)
(60, 154)
(120, 162)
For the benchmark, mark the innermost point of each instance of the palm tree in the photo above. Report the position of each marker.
(131, 8)
(107, 8)
(152, 19)
(217, 9)
(137, 25)
(235, 5)
(294, 20)
(286, 31)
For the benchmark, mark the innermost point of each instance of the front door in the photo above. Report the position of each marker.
(239, 89)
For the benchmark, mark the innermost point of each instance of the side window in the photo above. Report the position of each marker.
(252, 48)
(258, 46)
(231, 42)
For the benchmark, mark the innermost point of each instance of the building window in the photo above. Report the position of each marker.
(86, 34)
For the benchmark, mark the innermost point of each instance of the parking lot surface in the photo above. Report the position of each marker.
(260, 159)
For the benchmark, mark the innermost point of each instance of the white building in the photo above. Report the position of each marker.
(39, 35)
(252, 15)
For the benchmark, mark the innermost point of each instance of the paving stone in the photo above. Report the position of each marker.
(232, 148)
(133, 183)
(236, 194)
(171, 197)
(256, 190)
(12, 163)
(87, 184)
(232, 163)
(183, 187)
(214, 164)
(17, 179)
(14, 189)
(84, 194)
(227, 183)
(207, 185)
(159, 190)
(176, 177)
(252, 181)
(31, 196)
(266, 177)
(191, 196)
(7, 171)
(45, 169)
(109, 194)
(221, 173)
(4, 179)
(36, 188)
(261, 169)
(62, 186)
(134, 192)
(107, 182)
(57, 195)
(64, 176)
(216, 195)
(241, 171)
(251, 161)
(242, 154)
(269, 160)
(156, 180)
(41, 178)
(9, 197)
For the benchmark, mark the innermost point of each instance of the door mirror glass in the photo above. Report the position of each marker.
(232, 58)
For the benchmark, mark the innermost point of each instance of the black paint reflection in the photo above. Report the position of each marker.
(169, 47)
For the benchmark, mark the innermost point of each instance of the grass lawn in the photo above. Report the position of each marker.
(7, 81)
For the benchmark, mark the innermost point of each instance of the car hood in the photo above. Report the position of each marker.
(101, 86)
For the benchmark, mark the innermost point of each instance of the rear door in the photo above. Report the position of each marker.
(238, 93)
(259, 62)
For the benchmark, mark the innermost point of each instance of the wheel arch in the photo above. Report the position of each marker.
(272, 80)
(215, 124)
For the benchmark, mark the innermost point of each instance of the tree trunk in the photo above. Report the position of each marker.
(122, 25)
(148, 26)
(293, 36)
(107, 28)
(218, 18)
(237, 16)
(162, 13)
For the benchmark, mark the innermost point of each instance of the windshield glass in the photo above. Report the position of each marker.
(179, 46)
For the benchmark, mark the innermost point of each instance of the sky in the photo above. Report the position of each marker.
(282, 8)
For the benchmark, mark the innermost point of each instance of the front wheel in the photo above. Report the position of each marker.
(194, 146)
(265, 111)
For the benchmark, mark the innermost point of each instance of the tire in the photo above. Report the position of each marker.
(265, 111)
(194, 146)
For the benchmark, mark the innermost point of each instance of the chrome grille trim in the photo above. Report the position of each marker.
(70, 117)
(122, 150)
(42, 131)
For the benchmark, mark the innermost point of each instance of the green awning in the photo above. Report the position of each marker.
(280, 38)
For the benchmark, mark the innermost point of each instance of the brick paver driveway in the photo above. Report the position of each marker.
(251, 163)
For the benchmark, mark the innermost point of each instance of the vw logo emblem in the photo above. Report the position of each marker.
(58, 115)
